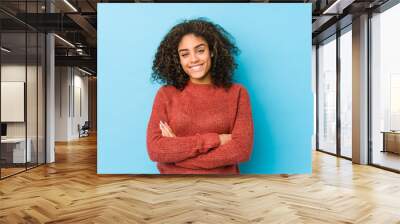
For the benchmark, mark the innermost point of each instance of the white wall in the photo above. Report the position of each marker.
(62, 81)
(71, 102)
(80, 110)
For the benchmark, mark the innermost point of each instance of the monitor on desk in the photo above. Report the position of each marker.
(3, 130)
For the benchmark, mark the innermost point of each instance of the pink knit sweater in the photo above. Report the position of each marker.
(197, 115)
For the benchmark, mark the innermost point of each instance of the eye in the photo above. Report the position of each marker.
(184, 55)
(201, 51)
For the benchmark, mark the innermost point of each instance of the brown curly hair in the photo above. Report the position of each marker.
(166, 64)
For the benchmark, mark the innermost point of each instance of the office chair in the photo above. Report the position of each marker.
(84, 130)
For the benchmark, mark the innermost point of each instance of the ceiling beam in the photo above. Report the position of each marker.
(85, 61)
(86, 26)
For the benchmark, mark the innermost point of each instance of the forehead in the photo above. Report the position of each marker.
(190, 41)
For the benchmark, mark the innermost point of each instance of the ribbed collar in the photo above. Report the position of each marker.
(195, 86)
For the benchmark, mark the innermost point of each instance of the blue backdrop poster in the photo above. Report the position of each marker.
(274, 65)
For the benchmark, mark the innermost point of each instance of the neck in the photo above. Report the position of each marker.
(204, 80)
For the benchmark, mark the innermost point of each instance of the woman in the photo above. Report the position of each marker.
(201, 122)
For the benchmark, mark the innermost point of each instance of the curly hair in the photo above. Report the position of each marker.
(166, 64)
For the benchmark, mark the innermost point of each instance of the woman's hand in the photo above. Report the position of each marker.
(166, 131)
(225, 138)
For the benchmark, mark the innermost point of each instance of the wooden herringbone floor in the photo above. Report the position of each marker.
(70, 191)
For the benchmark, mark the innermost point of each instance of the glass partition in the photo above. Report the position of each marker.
(32, 95)
(14, 153)
(22, 77)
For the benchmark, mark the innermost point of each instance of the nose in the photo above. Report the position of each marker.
(193, 58)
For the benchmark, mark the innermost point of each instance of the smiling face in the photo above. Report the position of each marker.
(195, 58)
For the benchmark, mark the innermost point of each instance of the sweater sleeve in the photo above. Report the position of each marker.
(235, 151)
(173, 149)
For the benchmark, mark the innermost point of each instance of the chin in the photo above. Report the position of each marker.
(197, 76)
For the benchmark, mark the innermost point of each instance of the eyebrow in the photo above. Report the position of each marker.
(200, 45)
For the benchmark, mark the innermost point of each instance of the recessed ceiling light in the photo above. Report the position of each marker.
(70, 5)
(338, 6)
(84, 71)
(5, 50)
(64, 40)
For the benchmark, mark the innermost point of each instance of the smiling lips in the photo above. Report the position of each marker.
(196, 68)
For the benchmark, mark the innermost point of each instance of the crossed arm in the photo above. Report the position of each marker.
(173, 149)
(202, 151)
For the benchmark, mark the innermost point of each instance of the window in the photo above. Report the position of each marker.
(327, 96)
(346, 93)
(385, 88)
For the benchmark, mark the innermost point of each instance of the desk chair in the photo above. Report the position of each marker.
(84, 130)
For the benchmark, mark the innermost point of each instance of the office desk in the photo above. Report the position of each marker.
(13, 150)
(391, 141)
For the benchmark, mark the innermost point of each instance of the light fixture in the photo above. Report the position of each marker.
(70, 5)
(5, 50)
(64, 40)
(79, 51)
(84, 71)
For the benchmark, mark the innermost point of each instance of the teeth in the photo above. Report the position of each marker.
(196, 67)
